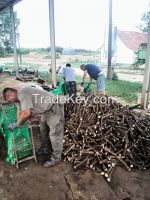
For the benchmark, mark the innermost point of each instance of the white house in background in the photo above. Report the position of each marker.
(127, 43)
(68, 51)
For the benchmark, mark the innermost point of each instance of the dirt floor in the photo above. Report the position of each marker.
(62, 182)
(35, 58)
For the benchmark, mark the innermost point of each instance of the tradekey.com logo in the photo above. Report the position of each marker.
(77, 100)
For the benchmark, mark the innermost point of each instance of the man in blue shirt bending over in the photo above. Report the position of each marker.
(95, 73)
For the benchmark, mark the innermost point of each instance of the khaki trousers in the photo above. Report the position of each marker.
(52, 124)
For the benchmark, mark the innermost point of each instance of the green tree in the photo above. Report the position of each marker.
(6, 32)
(59, 49)
(2, 52)
(144, 22)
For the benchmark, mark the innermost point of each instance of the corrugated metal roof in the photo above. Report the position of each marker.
(5, 3)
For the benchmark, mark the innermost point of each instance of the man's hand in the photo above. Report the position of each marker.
(13, 126)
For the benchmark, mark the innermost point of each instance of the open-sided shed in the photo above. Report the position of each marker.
(4, 4)
(8, 4)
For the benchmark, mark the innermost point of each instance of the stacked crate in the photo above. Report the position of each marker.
(18, 142)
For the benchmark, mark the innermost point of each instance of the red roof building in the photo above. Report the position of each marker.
(132, 39)
(127, 43)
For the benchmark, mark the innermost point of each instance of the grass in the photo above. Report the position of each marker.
(126, 90)
(77, 64)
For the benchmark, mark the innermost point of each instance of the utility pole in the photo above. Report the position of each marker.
(146, 82)
(19, 49)
(109, 76)
(52, 40)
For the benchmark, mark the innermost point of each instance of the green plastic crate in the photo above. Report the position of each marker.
(59, 89)
(1, 69)
(21, 136)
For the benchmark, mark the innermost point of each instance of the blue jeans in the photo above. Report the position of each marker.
(101, 83)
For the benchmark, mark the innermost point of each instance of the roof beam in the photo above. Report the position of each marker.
(8, 3)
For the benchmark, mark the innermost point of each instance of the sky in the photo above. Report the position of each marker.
(78, 23)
